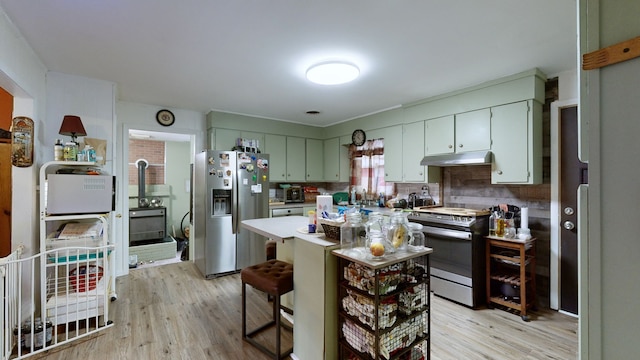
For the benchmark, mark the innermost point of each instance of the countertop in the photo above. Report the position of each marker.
(287, 228)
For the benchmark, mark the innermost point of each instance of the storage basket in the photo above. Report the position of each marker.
(85, 278)
(331, 228)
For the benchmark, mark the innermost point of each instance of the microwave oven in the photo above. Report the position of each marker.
(294, 194)
(80, 194)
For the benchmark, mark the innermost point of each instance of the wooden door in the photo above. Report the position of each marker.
(572, 173)
(5, 199)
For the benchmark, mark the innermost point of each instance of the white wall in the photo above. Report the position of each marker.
(22, 74)
(90, 99)
(610, 321)
(178, 160)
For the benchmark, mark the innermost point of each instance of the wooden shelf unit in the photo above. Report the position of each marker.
(511, 262)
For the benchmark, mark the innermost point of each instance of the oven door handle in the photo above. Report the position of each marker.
(463, 235)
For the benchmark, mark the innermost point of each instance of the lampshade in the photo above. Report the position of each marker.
(72, 126)
(332, 73)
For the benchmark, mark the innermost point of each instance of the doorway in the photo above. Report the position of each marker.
(176, 197)
(567, 173)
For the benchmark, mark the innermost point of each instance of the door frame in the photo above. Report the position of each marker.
(555, 208)
(122, 203)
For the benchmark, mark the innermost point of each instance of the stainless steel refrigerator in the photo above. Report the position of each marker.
(229, 186)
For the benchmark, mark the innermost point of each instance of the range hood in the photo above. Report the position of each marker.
(466, 158)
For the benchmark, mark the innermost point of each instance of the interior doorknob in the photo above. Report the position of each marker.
(569, 225)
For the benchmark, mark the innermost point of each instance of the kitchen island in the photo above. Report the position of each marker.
(315, 277)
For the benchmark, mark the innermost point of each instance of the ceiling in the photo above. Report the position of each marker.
(250, 56)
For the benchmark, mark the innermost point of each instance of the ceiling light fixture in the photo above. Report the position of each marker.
(332, 73)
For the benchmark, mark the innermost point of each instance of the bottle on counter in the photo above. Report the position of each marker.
(312, 221)
(58, 153)
(381, 200)
(90, 153)
(492, 223)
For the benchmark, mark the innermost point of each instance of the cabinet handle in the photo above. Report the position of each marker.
(499, 172)
(282, 175)
(460, 145)
(450, 146)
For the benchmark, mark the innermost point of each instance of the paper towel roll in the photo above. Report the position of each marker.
(324, 203)
(524, 218)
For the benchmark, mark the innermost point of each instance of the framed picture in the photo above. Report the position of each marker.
(22, 141)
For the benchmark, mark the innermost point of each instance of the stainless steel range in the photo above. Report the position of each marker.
(458, 259)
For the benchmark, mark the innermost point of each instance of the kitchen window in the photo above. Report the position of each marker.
(367, 169)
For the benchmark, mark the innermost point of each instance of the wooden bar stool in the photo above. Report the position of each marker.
(274, 277)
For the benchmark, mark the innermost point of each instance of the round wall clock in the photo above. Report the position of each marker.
(165, 117)
(358, 137)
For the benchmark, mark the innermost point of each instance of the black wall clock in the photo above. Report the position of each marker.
(358, 137)
(165, 117)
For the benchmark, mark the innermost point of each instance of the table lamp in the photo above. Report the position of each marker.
(72, 126)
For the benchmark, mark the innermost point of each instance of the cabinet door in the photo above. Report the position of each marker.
(345, 161)
(510, 143)
(314, 160)
(296, 159)
(226, 139)
(473, 130)
(413, 152)
(276, 147)
(332, 159)
(440, 135)
(259, 137)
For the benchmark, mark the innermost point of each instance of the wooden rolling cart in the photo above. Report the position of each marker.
(511, 273)
(384, 306)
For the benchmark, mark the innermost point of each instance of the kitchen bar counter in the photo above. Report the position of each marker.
(314, 294)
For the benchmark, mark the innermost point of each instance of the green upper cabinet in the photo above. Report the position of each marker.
(259, 137)
(336, 159)
(314, 160)
(458, 133)
(296, 159)
(473, 131)
(440, 135)
(332, 159)
(276, 147)
(345, 161)
(225, 139)
(516, 133)
(413, 152)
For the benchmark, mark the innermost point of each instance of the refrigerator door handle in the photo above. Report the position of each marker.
(235, 194)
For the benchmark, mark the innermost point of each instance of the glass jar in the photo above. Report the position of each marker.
(417, 238)
(70, 151)
(378, 246)
(353, 234)
(398, 231)
(375, 224)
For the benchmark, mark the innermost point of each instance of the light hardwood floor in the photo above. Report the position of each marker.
(171, 312)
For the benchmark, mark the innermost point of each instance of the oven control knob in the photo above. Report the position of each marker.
(568, 225)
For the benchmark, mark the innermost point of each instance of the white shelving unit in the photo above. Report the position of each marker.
(77, 269)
